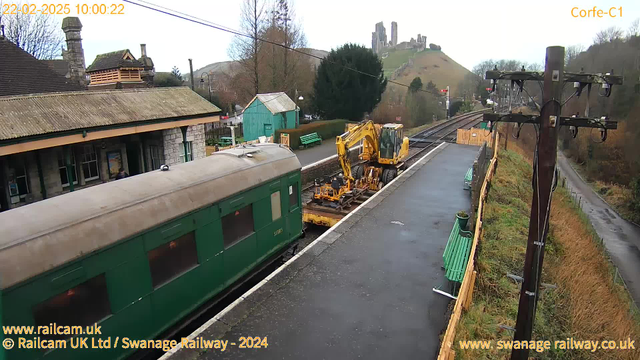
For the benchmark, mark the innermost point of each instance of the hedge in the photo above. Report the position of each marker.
(327, 129)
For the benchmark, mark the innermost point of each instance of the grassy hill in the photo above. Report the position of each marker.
(429, 65)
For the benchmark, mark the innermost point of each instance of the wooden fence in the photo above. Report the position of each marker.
(466, 289)
(473, 136)
(214, 134)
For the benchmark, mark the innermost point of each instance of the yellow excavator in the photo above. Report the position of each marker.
(383, 151)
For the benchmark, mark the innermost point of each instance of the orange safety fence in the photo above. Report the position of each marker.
(466, 289)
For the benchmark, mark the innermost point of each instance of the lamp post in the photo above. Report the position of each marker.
(299, 98)
(208, 83)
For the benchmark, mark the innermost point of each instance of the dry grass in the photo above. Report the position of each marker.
(434, 66)
(599, 308)
(587, 304)
(619, 197)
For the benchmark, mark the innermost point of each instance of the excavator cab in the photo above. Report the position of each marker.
(391, 143)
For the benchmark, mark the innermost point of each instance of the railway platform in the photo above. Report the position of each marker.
(363, 289)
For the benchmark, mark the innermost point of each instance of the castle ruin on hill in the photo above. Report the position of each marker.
(379, 43)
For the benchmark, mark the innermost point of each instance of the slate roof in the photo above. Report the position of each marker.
(21, 73)
(276, 102)
(59, 66)
(38, 114)
(113, 60)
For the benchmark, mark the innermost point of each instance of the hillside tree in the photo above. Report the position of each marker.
(634, 29)
(608, 35)
(344, 93)
(39, 35)
(431, 87)
(416, 84)
(571, 53)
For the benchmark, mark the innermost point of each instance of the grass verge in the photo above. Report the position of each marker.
(586, 305)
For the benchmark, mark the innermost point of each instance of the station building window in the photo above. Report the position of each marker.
(293, 195)
(18, 179)
(89, 163)
(237, 225)
(62, 168)
(82, 305)
(276, 208)
(173, 259)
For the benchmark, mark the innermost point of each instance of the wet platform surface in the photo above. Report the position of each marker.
(364, 288)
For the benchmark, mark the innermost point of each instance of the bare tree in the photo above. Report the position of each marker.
(482, 68)
(634, 28)
(572, 52)
(285, 65)
(39, 35)
(247, 50)
(608, 35)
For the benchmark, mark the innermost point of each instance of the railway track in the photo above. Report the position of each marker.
(439, 133)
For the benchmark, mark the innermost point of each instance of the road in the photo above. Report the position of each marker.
(621, 237)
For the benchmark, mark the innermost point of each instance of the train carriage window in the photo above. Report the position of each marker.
(237, 225)
(82, 306)
(172, 259)
(276, 208)
(293, 195)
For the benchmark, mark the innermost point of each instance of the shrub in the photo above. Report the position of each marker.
(327, 129)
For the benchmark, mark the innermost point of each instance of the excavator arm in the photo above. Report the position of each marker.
(366, 131)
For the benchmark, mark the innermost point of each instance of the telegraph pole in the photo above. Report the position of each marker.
(548, 122)
(543, 177)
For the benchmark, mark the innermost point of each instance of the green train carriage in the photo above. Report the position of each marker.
(137, 255)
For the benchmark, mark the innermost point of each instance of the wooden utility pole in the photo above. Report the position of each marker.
(543, 178)
(548, 123)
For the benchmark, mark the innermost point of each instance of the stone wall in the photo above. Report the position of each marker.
(173, 147)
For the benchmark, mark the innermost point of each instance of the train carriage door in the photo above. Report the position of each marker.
(294, 218)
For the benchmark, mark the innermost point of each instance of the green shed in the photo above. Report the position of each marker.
(267, 113)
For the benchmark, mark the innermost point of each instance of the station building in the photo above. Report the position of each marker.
(64, 127)
(53, 143)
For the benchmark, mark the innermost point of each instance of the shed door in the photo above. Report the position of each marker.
(268, 129)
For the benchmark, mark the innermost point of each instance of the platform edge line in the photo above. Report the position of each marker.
(230, 307)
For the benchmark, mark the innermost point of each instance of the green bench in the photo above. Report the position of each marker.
(225, 141)
(456, 253)
(467, 179)
(310, 139)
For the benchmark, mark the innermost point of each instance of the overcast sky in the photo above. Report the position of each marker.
(468, 31)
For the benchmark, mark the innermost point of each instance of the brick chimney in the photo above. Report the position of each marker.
(74, 54)
(149, 71)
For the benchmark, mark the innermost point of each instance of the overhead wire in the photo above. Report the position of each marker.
(187, 17)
